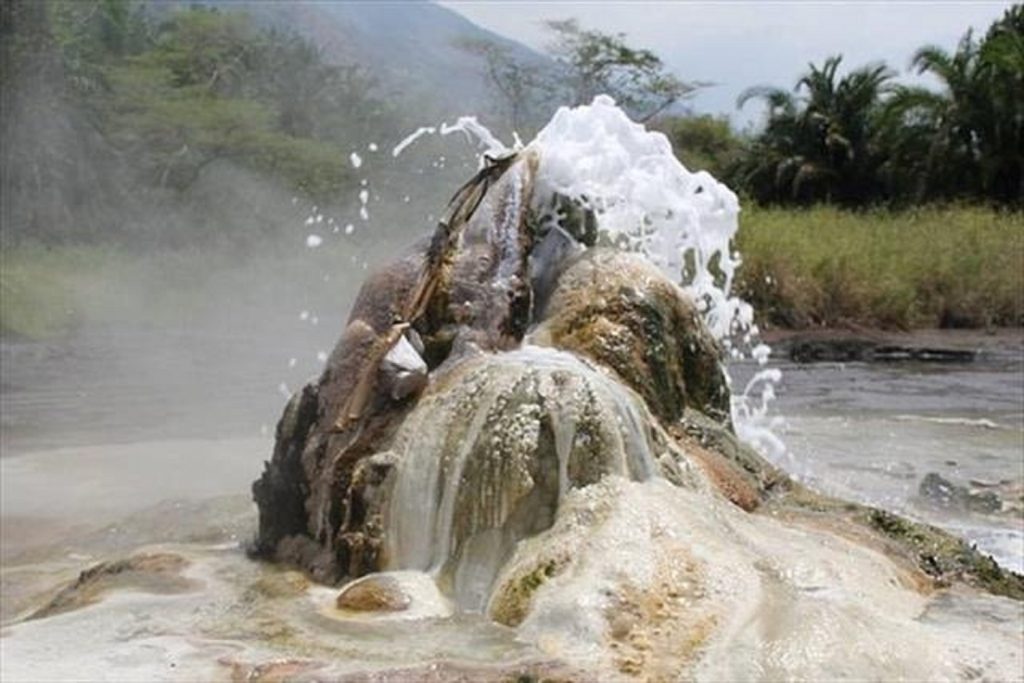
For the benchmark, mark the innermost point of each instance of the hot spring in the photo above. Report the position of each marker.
(530, 455)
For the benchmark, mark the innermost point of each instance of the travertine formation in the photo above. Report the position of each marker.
(457, 313)
(484, 378)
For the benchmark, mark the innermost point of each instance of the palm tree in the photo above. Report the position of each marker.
(820, 140)
(1002, 68)
(976, 121)
(951, 162)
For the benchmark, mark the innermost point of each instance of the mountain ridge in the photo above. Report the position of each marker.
(409, 47)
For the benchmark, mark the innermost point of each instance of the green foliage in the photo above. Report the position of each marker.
(929, 267)
(859, 139)
(978, 119)
(114, 110)
(584, 63)
(50, 290)
(820, 143)
(213, 87)
(594, 63)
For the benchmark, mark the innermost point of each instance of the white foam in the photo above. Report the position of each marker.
(981, 422)
(364, 197)
(646, 201)
(470, 127)
(684, 222)
(409, 139)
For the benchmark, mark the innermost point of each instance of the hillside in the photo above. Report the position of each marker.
(410, 48)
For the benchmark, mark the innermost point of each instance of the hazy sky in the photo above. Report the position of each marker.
(739, 44)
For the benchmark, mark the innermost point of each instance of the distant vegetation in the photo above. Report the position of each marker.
(931, 266)
(857, 139)
(113, 109)
(861, 140)
(580, 64)
(130, 124)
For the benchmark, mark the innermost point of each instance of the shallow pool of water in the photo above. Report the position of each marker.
(872, 432)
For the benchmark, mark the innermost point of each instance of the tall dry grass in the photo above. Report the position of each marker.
(928, 267)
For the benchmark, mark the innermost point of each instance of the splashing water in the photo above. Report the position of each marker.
(646, 201)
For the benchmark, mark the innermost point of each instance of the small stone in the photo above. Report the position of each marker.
(621, 624)
(374, 593)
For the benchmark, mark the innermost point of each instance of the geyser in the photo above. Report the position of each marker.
(531, 411)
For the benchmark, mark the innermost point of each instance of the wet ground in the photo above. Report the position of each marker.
(116, 444)
(873, 431)
(143, 400)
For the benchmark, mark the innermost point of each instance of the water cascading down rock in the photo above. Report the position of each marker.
(539, 420)
(441, 433)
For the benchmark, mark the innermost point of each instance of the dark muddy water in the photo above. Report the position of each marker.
(872, 432)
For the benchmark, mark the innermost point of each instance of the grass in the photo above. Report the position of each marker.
(928, 267)
(40, 288)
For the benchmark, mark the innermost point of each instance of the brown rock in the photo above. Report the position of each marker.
(374, 593)
(469, 284)
(621, 311)
(153, 573)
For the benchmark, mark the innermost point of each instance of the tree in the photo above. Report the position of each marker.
(522, 85)
(820, 141)
(581, 64)
(703, 142)
(112, 115)
(966, 139)
(215, 87)
(1002, 57)
(594, 63)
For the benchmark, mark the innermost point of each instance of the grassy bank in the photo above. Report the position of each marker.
(41, 289)
(929, 267)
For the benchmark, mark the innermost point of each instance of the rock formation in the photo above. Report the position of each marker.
(484, 378)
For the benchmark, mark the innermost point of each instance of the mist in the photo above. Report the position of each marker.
(209, 338)
(154, 289)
